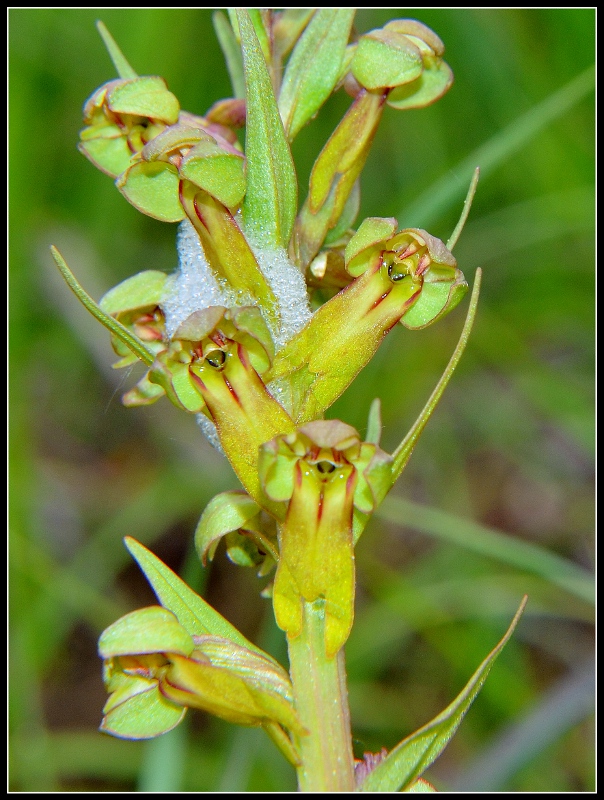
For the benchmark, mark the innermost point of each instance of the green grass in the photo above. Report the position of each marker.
(497, 499)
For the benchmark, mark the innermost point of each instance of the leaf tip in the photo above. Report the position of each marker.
(123, 68)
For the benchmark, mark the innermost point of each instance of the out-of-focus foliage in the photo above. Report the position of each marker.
(510, 447)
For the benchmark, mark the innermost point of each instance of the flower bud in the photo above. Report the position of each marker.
(250, 534)
(213, 365)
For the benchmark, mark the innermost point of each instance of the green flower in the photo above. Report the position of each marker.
(214, 365)
(409, 277)
(121, 117)
(412, 258)
(154, 670)
(319, 475)
(404, 57)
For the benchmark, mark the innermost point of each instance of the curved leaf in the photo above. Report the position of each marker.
(413, 755)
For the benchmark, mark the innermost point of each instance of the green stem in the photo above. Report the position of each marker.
(322, 703)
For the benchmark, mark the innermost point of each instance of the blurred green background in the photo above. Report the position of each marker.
(509, 449)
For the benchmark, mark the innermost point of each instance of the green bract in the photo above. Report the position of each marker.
(136, 304)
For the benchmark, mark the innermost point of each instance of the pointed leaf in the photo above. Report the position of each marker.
(413, 755)
(231, 51)
(314, 67)
(123, 68)
(193, 613)
(467, 205)
(287, 28)
(270, 203)
(402, 454)
(123, 334)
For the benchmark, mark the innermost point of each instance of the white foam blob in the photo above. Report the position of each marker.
(194, 286)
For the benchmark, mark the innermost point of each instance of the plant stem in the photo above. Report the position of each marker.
(322, 702)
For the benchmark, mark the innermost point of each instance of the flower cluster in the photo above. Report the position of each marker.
(237, 336)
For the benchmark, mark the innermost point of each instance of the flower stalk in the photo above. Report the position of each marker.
(321, 698)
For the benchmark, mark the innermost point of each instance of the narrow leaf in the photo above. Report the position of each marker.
(269, 208)
(231, 51)
(192, 611)
(123, 68)
(260, 19)
(287, 29)
(414, 754)
(123, 334)
(402, 454)
(467, 205)
(314, 67)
